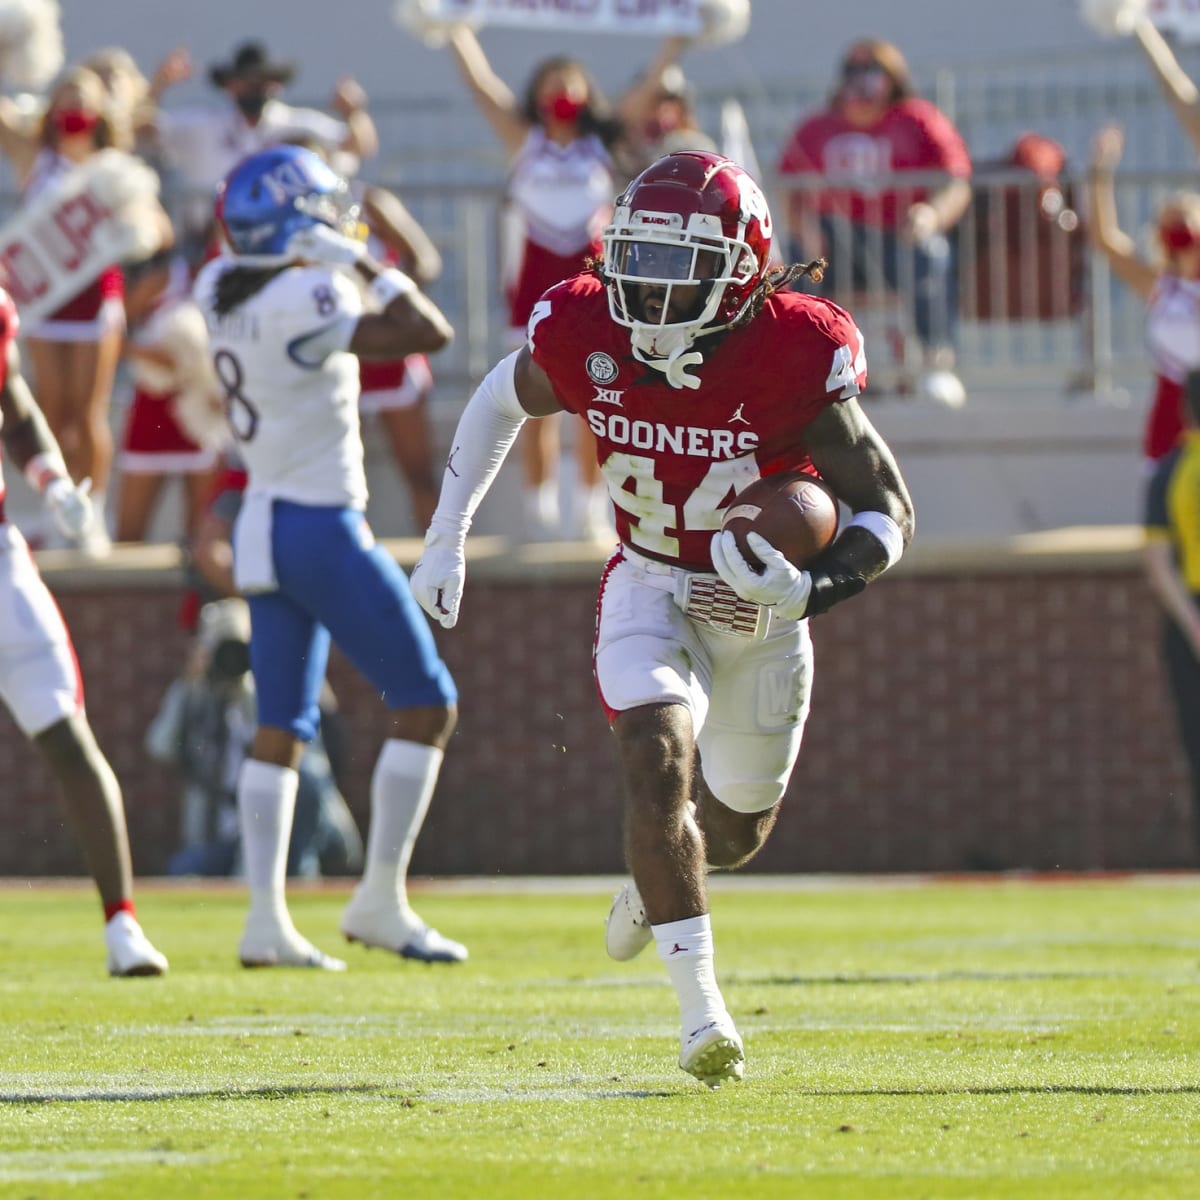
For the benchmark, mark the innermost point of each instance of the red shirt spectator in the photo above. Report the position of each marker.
(911, 135)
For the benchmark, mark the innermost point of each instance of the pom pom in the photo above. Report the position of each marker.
(723, 21)
(420, 17)
(1113, 18)
(31, 44)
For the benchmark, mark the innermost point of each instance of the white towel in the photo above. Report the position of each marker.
(253, 560)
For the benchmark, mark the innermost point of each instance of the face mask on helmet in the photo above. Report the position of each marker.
(272, 195)
(688, 246)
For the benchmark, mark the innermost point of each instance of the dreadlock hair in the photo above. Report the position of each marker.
(237, 285)
(775, 281)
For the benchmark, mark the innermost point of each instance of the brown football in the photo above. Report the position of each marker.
(795, 512)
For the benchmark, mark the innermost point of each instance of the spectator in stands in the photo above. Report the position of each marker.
(1172, 563)
(560, 139)
(1169, 283)
(876, 230)
(74, 352)
(658, 110)
(175, 423)
(203, 144)
(205, 727)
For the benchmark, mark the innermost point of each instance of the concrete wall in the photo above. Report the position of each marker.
(997, 704)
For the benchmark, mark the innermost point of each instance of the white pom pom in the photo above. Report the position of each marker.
(421, 18)
(31, 44)
(1113, 18)
(724, 21)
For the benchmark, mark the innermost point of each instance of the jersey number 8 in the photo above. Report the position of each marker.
(239, 411)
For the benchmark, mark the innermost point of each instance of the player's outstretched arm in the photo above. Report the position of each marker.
(32, 446)
(516, 388)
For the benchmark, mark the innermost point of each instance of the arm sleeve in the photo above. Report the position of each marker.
(486, 431)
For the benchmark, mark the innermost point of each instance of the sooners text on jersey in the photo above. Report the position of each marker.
(674, 459)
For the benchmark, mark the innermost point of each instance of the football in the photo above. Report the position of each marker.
(795, 512)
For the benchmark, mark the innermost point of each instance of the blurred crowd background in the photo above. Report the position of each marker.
(1041, 324)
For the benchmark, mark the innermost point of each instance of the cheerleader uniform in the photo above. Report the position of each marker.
(1173, 339)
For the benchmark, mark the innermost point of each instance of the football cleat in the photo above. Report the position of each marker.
(130, 953)
(272, 943)
(627, 932)
(713, 1052)
(398, 929)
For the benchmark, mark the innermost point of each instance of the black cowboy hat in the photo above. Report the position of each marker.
(250, 60)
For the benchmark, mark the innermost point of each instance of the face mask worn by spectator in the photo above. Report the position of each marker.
(1177, 236)
(865, 81)
(561, 106)
(252, 103)
(70, 121)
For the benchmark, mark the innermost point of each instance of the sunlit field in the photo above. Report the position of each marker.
(904, 1038)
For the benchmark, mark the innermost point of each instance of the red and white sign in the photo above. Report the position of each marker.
(710, 20)
(51, 250)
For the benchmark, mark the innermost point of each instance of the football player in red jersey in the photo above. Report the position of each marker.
(698, 374)
(39, 677)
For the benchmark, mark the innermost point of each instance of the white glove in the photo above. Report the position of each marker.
(323, 244)
(784, 587)
(437, 581)
(1112, 17)
(70, 506)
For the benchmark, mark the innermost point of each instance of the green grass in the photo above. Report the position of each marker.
(973, 1039)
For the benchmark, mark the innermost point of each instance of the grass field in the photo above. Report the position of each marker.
(906, 1039)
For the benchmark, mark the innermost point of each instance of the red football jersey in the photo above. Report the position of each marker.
(675, 457)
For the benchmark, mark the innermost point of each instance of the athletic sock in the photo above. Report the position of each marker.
(266, 806)
(401, 788)
(121, 906)
(686, 948)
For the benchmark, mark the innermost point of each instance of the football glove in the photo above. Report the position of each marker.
(784, 587)
(437, 581)
(323, 244)
(70, 506)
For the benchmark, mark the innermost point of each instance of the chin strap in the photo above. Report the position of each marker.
(668, 351)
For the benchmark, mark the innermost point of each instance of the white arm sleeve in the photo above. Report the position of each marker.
(486, 431)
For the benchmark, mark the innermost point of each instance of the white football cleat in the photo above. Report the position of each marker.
(130, 953)
(398, 929)
(713, 1052)
(627, 932)
(272, 943)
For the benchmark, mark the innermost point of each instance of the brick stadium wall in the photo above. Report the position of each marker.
(965, 717)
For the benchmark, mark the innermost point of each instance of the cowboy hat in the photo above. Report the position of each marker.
(250, 60)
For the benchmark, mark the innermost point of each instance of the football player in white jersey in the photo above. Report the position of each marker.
(39, 677)
(287, 318)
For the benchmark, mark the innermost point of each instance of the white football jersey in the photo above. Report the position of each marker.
(290, 384)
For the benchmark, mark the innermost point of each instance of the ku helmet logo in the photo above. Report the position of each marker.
(601, 367)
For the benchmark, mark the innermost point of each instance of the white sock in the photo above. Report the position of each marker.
(686, 948)
(266, 805)
(401, 788)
